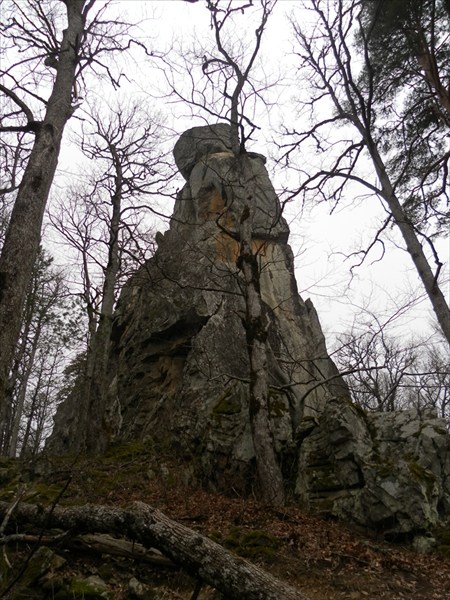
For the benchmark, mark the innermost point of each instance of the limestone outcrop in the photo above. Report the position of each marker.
(180, 369)
(389, 472)
(181, 372)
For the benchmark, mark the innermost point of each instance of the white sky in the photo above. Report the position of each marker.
(319, 239)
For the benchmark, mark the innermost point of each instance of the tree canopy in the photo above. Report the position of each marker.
(366, 82)
(409, 47)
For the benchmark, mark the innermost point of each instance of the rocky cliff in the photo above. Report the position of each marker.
(180, 370)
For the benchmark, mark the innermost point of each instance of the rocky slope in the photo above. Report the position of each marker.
(180, 369)
(323, 559)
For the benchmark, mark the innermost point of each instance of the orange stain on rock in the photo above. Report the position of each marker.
(212, 208)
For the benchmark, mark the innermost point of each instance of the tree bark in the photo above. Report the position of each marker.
(24, 231)
(106, 544)
(413, 246)
(270, 479)
(357, 105)
(20, 401)
(204, 559)
(97, 427)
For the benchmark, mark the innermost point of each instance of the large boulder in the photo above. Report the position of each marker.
(389, 472)
(180, 363)
(198, 143)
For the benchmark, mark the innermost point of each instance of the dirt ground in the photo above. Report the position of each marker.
(322, 558)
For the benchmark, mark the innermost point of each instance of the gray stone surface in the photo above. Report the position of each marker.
(195, 144)
(180, 373)
(180, 357)
(386, 471)
(137, 589)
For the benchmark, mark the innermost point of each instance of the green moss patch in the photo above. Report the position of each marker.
(227, 404)
(442, 535)
(84, 589)
(385, 469)
(254, 544)
(422, 475)
(126, 451)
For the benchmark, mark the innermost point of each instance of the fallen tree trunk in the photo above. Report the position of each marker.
(202, 558)
(105, 544)
(95, 543)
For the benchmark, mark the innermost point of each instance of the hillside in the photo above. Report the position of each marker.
(322, 558)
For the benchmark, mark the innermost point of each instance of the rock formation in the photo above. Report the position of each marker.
(389, 472)
(180, 367)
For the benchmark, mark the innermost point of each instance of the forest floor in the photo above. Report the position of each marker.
(324, 559)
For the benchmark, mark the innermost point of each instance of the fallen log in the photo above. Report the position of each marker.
(202, 558)
(105, 544)
(94, 544)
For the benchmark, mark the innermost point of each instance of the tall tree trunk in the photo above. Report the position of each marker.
(33, 405)
(97, 430)
(23, 390)
(413, 246)
(270, 479)
(23, 235)
(98, 433)
(427, 62)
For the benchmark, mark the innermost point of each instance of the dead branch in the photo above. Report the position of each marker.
(202, 558)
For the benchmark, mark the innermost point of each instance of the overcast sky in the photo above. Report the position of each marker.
(320, 240)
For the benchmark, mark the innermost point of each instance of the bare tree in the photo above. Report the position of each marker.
(387, 373)
(223, 78)
(344, 76)
(228, 68)
(429, 384)
(50, 45)
(105, 224)
(42, 397)
(270, 478)
(49, 331)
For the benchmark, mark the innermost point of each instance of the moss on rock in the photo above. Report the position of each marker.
(251, 544)
(92, 588)
(227, 404)
(422, 475)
